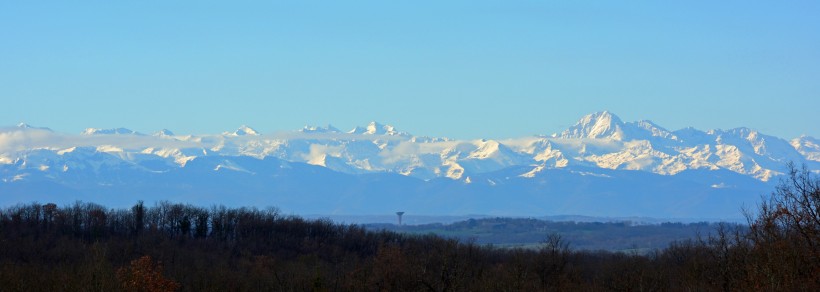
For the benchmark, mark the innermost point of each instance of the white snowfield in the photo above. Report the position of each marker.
(599, 140)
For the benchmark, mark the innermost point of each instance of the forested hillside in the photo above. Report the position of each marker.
(529, 232)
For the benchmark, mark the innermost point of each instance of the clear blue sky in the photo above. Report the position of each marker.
(462, 69)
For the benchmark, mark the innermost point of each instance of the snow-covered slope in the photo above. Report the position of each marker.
(599, 145)
(117, 131)
(808, 147)
(375, 128)
(242, 131)
(601, 125)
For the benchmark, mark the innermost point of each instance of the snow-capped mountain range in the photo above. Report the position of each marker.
(584, 168)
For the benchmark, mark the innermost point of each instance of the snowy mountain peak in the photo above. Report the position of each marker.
(646, 129)
(650, 126)
(597, 125)
(806, 139)
(27, 126)
(599, 140)
(315, 129)
(807, 146)
(746, 133)
(117, 131)
(375, 128)
(487, 148)
(243, 131)
(164, 133)
(357, 130)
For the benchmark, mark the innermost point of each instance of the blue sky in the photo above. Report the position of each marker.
(461, 69)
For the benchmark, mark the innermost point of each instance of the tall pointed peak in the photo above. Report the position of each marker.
(601, 117)
(596, 125)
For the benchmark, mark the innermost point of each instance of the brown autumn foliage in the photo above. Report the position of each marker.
(144, 275)
(170, 247)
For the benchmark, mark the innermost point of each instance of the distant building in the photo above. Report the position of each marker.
(399, 214)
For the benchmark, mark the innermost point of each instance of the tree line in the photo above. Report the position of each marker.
(527, 232)
(180, 247)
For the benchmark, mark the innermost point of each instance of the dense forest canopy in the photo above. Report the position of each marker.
(626, 236)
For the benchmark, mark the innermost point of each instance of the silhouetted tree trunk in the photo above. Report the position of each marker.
(139, 217)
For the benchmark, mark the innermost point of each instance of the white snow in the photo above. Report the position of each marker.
(68, 150)
(242, 131)
(315, 129)
(720, 186)
(109, 148)
(596, 126)
(117, 131)
(807, 146)
(375, 128)
(230, 165)
(599, 140)
(164, 133)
